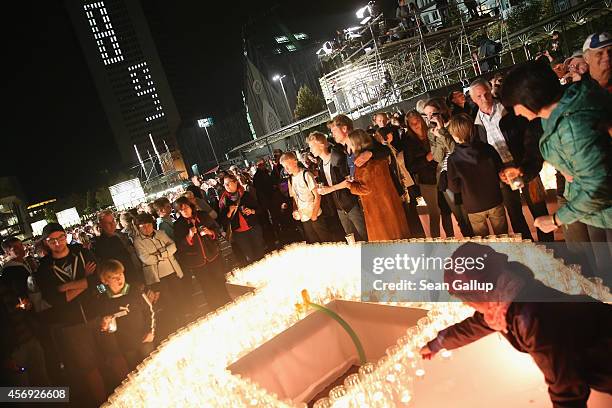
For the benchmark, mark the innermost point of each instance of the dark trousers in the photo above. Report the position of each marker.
(318, 231)
(457, 209)
(212, 280)
(29, 355)
(174, 306)
(577, 243)
(514, 207)
(436, 209)
(250, 242)
(538, 209)
(601, 242)
(414, 221)
(354, 223)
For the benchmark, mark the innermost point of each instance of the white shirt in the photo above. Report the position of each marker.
(303, 194)
(327, 171)
(494, 135)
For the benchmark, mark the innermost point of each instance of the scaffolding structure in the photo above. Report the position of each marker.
(378, 75)
(157, 171)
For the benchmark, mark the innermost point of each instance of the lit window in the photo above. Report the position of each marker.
(290, 47)
(281, 39)
(300, 36)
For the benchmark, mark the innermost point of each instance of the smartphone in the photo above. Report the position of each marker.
(101, 288)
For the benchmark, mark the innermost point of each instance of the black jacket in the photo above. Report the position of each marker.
(136, 319)
(200, 250)
(570, 339)
(339, 170)
(522, 138)
(472, 170)
(247, 200)
(120, 248)
(50, 275)
(415, 152)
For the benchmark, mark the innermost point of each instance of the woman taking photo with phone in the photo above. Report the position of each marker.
(198, 251)
(238, 208)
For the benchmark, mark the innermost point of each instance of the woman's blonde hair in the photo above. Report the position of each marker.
(461, 127)
(361, 141)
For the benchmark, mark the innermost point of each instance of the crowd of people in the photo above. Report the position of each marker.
(86, 305)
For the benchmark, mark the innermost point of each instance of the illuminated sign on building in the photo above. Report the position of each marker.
(68, 218)
(127, 194)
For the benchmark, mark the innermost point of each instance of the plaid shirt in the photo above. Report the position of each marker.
(494, 135)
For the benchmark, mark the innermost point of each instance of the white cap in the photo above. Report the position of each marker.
(597, 40)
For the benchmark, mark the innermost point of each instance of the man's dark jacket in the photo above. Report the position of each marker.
(339, 170)
(569, 337)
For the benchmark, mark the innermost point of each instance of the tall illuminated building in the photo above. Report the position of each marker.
(128, 74)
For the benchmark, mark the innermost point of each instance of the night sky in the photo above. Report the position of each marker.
(58, 140)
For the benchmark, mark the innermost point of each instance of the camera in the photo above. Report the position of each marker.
(101, 288)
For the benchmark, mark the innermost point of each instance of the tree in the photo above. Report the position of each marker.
(103, 197)
(307, 103)
(50, 215)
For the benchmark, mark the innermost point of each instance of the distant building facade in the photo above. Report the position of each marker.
(128, 74)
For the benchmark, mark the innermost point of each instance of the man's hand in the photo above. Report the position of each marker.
(248, 211)
(90, 267)
(207, 231)
(296, 215)
(324, 190)
(231, 211)
(510, 173)
(148, 338)
(545, 223)
(314, 216)
(363, 158)
(426, 353)
(105, 323)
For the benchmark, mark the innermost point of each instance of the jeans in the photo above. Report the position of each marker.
(250, 243)
(317, 231)
(497, 217)
(354, 223)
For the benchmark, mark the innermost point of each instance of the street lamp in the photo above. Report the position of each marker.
(206, 123)
(279, 78)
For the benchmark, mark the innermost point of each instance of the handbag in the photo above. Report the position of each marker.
(536, 190)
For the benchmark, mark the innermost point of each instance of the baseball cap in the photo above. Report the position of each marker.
(597, 40)
(576, 54)
(51, 228)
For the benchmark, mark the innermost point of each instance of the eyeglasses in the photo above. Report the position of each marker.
(56, 241)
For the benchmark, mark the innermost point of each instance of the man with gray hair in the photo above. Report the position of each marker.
(112, 244)
(508, 134)
(597, 50)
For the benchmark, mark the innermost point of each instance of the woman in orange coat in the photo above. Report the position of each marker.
(382, 206)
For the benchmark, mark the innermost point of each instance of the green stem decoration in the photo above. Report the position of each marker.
(342, 322)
